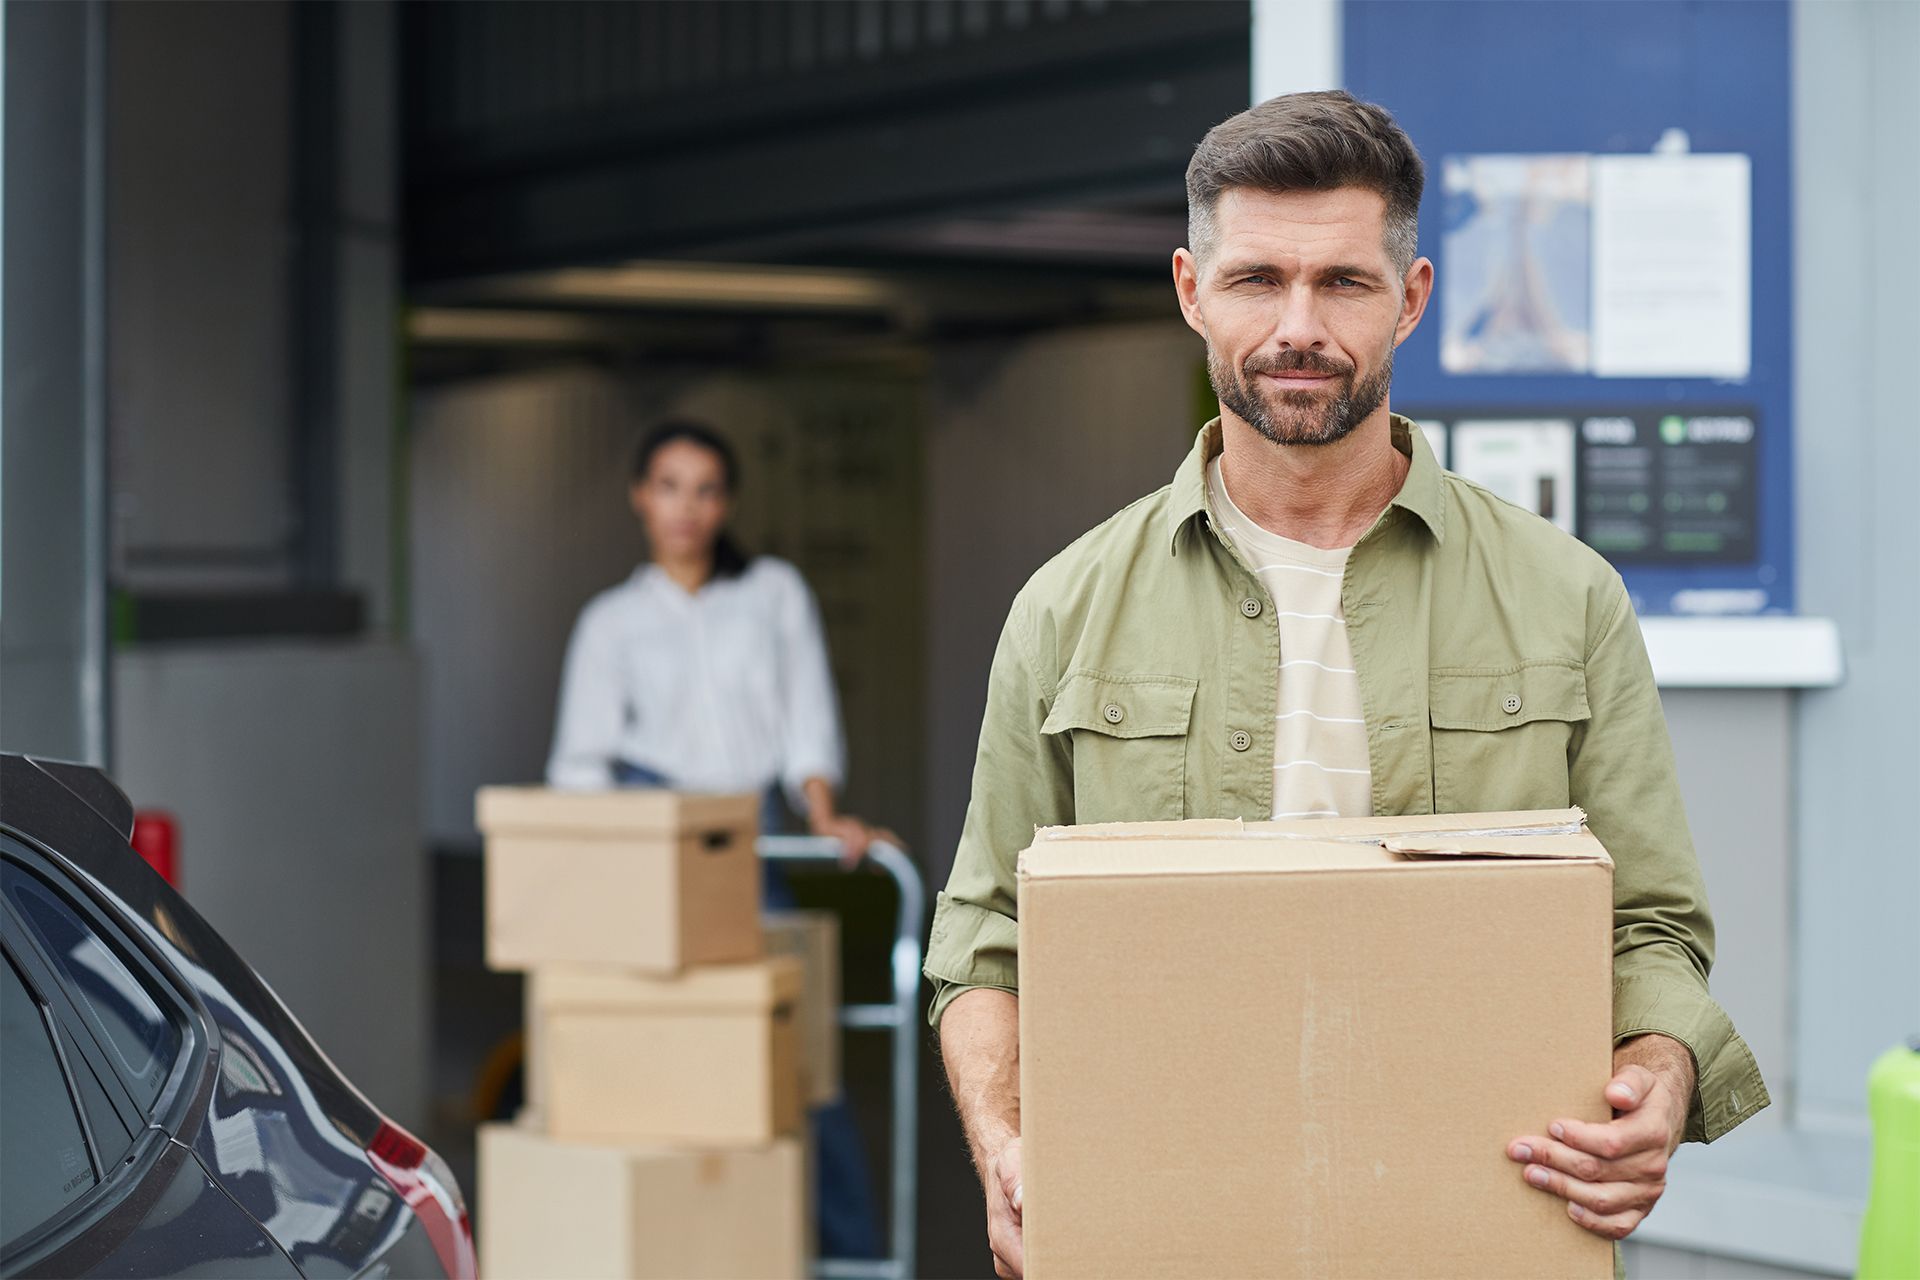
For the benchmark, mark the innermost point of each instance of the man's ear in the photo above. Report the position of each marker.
(1186, 288)
(1415, 292)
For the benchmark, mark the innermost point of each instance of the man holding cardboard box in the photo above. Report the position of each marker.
(1314, 619)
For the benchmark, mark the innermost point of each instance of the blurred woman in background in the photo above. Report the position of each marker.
(706, 670)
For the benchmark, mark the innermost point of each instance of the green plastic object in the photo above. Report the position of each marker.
(1890, 1233)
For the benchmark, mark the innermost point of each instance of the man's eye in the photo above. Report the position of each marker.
(1346, 282)
(1257, 279)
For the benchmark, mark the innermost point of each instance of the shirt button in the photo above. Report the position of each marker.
(1113, 713)
(1250, 607)
(1512, 705)
(1241, 740)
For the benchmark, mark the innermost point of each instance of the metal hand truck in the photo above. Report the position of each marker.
(900, 1016)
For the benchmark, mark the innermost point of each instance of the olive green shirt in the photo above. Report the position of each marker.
(1500, 667)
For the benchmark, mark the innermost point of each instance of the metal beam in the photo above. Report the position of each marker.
(314, 328)
(1040, 119)
(53, 465)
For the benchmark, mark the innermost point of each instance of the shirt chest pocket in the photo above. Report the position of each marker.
(1500, 737)
(1128, 736)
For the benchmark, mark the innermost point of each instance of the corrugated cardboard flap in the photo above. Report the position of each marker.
(1580, 847)
(623, 812)
(1229, 846)
(1513, 822)
(1189, 829)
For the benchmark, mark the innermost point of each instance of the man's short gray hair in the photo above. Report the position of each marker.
(1309, 142)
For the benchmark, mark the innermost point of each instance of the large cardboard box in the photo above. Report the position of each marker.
(1300, 1049)
(813, 938)
(710, 1057)
(550, 1208)
(641, 879)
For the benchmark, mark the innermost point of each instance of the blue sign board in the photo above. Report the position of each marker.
(1685, 481)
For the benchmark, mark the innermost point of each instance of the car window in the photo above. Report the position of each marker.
(105, 1129)
(44, 1163)
(142, 1038)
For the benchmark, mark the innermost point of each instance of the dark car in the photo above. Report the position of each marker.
(161, 1112)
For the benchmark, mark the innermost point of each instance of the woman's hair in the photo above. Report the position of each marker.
(729, 561)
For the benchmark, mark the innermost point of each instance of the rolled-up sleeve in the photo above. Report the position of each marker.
(1022, 779)
(1621, 772)
(814, 744)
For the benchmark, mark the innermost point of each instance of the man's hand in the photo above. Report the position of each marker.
(980, 1041)
(1612, 1174)
(1003, 1212)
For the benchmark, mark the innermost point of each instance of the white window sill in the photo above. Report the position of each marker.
(1743, 653)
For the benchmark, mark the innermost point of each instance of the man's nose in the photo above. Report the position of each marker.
(1298, 324)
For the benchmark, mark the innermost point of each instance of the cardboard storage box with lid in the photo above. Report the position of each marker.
(813, 937)
(706, 1057)
(1301, 1048)
(639, 879)
(553, 1208)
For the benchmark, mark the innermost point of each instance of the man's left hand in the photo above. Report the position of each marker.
(1612, 1174)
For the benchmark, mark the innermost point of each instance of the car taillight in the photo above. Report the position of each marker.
(429, 1189)
(156, 837)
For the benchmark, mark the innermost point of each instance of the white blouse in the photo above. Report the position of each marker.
(726, 689)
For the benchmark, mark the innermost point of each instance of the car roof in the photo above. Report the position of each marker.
(92, 786)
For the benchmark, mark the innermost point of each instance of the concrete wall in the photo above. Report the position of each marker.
(291, 768)
(516, 520)
(1733, 751)
(1030, 443)
(202, 297)
(200, 292)
(1857, 747)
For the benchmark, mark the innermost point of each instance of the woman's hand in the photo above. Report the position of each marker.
(853, 834)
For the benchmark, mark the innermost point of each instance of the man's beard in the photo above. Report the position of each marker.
(1299, 417)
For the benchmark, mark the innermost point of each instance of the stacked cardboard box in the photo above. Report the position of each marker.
(813, 937)
(662, 1134)
(551, 1208)
(1302, 1048)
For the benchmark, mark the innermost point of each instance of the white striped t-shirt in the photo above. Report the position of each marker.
(1320, 766)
